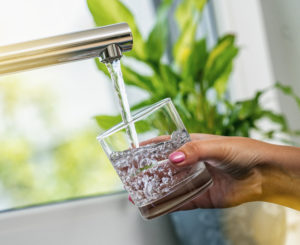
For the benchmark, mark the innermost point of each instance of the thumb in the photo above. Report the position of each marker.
(199, 150)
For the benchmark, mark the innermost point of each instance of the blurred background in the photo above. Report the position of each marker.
(48, 136)
(50, 117)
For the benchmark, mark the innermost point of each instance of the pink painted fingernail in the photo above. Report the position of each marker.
(130, 199)
(177, 157)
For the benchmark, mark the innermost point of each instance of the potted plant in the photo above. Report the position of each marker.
(193, 76)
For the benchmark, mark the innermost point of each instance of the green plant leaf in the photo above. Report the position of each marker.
(183, 47)
(288, 91)
(130, 76)
(187, 15)
(180, 106)
(220, 84)
(196, 61)
(143, 126)
(277, 118)
(144, 103)
(186, 10)
(181, 14)
(169, 80)
(219, 59)
(157, 40)
(200, 4)
(187, 86)
(249, 108)
(112, 12)
(105, 122)
(134, 78)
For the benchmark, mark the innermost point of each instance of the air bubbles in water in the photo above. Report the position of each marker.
(146, 171)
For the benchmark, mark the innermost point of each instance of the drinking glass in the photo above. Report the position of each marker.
(155, 185)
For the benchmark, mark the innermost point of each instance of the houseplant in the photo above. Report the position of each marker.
(194, 77)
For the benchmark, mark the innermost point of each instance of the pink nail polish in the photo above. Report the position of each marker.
(130, 199)
(177, 157)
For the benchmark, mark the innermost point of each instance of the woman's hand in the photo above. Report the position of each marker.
(243, 170)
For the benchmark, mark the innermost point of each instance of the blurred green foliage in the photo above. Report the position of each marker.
(195, 77)
(39, 161)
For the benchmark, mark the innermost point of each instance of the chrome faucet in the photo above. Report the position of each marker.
(108, 43)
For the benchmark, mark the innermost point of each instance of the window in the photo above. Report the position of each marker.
(48, 147)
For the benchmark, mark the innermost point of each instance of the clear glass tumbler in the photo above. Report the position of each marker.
(155, 184)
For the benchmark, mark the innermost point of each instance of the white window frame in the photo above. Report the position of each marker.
(108, 219)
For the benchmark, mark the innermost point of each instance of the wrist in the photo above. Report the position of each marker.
(280, 172)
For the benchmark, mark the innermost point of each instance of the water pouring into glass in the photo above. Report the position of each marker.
(141, 159)
(138, 147)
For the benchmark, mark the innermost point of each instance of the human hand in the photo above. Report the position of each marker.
(242, 169)
(235, 164)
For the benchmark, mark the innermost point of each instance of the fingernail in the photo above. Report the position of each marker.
(130, 199)
(177, 157)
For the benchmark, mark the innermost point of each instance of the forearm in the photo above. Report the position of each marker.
(282, 176)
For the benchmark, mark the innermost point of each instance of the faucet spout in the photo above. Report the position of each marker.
(111, 53)
(108, 43)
